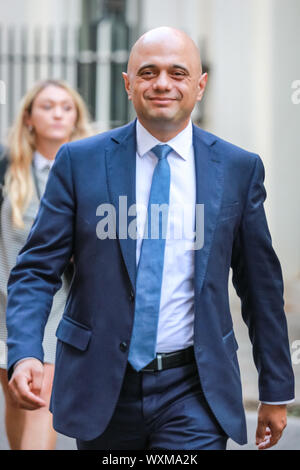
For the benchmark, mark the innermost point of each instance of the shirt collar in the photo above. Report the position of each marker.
(41, 162)
(181, 143)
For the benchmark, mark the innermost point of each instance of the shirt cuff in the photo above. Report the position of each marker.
(278, 402)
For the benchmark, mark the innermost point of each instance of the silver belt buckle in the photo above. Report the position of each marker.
(159, 362)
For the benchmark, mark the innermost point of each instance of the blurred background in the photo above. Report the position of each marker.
(250, 49)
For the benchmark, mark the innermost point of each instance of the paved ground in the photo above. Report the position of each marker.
(291, 437)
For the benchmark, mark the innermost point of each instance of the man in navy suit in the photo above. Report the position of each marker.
(189, 395)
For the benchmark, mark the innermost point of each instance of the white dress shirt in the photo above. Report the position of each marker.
(176, 315)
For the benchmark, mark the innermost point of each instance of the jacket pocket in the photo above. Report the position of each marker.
(230, 343)
(73, 333)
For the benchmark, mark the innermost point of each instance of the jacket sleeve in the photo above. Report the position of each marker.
(37, 274)
(257, 278)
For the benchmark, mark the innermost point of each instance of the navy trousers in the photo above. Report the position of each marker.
(161, 410)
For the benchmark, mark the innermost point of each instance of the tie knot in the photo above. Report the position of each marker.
(162, 151)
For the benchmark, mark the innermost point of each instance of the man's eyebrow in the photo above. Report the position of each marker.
(182, 67)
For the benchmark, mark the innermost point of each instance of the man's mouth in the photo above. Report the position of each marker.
(161, 99)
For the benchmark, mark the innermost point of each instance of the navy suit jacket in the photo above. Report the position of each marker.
(95, 330)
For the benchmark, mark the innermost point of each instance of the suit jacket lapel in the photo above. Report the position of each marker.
(209, 192)
(121, 171)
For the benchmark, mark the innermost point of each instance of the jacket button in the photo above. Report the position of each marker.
(123, 346)
(131, 296)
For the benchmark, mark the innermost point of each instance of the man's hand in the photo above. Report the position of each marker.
(270, 425)
(26, 383)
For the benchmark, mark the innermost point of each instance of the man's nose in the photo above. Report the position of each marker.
(162, 82)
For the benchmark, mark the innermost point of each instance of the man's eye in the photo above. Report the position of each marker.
(147, 73)
(179, 74)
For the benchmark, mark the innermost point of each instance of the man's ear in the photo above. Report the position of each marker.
(127, 84)
(202, 85)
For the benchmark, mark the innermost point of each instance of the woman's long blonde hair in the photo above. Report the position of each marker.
(21, 145)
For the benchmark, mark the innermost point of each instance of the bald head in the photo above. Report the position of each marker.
(166, 36)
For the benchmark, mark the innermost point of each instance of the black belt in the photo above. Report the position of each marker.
(169, 360)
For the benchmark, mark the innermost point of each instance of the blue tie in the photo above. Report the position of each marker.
(149, 274)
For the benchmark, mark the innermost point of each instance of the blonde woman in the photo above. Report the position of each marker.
(51, 114)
